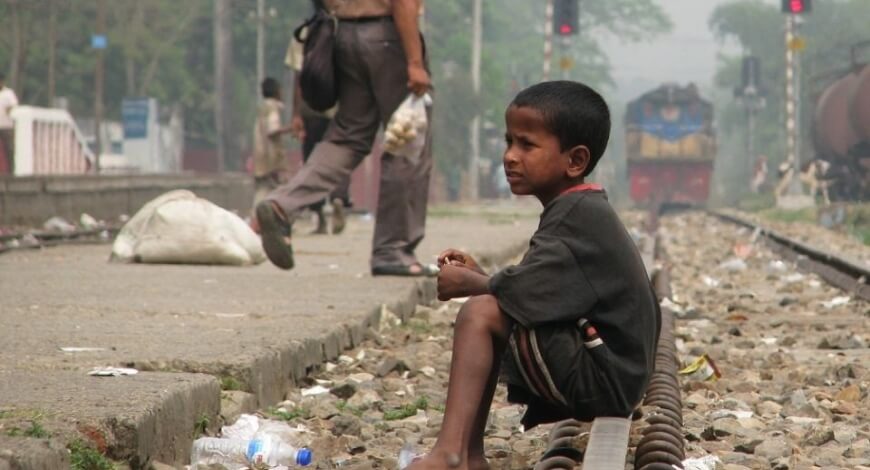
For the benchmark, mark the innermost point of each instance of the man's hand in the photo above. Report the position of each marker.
(418, 79)
(458, 258)
(297, 127)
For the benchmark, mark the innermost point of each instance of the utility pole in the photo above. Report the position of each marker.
(474, 158)
(52, 49)
(98, 80)
(548, 38)
(261, 44)
(222, 75)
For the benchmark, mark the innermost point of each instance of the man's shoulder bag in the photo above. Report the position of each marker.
(317, 80)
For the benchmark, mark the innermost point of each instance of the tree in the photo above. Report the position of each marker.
(759, 28)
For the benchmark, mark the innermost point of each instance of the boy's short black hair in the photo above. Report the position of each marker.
(573, 112)
(270, 88)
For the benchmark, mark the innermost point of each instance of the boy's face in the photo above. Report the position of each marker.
(534, 162)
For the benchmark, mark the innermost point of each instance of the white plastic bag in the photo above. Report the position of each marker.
(178, 227)
(405, 134)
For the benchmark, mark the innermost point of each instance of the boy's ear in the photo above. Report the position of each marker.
(578, 160)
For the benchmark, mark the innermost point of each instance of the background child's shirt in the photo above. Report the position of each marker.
(269, 154)
(583, 265)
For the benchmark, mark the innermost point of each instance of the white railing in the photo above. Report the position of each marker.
(48, 141)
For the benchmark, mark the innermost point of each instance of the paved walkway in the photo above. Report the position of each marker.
(188, 328)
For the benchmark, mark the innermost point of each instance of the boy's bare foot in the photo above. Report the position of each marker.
(440, 460)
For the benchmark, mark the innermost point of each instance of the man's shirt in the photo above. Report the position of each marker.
(8, 100)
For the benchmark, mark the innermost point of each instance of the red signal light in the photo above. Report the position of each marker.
(796, 7)
(565, 29)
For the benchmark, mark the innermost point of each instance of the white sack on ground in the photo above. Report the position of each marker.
(178, 227)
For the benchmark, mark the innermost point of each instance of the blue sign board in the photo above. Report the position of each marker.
(134, 113)
(99, 41)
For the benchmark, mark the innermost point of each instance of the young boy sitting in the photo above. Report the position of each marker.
(577, 317)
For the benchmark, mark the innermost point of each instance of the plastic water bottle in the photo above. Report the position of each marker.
(211, 450)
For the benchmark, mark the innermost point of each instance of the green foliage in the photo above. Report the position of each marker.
(759, 29)
(201, 425)
(35, 430)
(164, 49)
(230, 383)
(407, 410)
(343, 406)
(298, 412)
(83, 457)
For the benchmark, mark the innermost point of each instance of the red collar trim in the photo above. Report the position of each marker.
(582, 188)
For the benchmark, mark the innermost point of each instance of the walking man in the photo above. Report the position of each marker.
(8, 100)
(379, 57)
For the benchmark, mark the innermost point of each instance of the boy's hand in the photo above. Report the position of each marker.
(460, 281)
(451, 282)
(453, 257)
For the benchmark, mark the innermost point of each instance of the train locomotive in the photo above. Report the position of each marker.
(841, 134)
(670, 146)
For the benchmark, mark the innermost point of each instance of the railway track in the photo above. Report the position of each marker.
(792, 350)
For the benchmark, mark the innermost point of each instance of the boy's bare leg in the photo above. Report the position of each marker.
(479, 340)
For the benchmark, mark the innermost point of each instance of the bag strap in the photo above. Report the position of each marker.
(320, 15)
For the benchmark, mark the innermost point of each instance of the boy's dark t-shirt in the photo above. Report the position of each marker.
(581, 264)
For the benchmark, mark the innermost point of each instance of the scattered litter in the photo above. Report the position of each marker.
(314, 391)
(388, 319)
(836, 301)
(671, 305)
(792, 278)
(739, 414)
(333, 266)
(323, 382)
(428, 371)
(755, 234)
(361, 355)
(815, 284)
(346, 360)
(708, 462)
(88, 222)
(361, 377)
(74, 349)
(777, 266)
(112, 371)
(709, 281)
(742, 250)
(408, 454)
(701, 369)
(803, 420)
(331, 366)
(769, 340)
(737, 317)
(733, 264)
(58, 224)
(231, 315)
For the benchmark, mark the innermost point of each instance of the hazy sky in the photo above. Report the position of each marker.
(687, 53)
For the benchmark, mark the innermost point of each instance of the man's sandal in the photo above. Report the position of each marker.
(274, 235)
(409, 270)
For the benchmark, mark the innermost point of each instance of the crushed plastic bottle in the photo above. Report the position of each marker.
(272, 452)
(407, 455)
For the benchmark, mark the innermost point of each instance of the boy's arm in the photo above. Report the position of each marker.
(458, 281)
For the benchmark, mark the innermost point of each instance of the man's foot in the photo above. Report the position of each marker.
(321, 229)
(412, 270)
(275, 234)
(338, 219)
